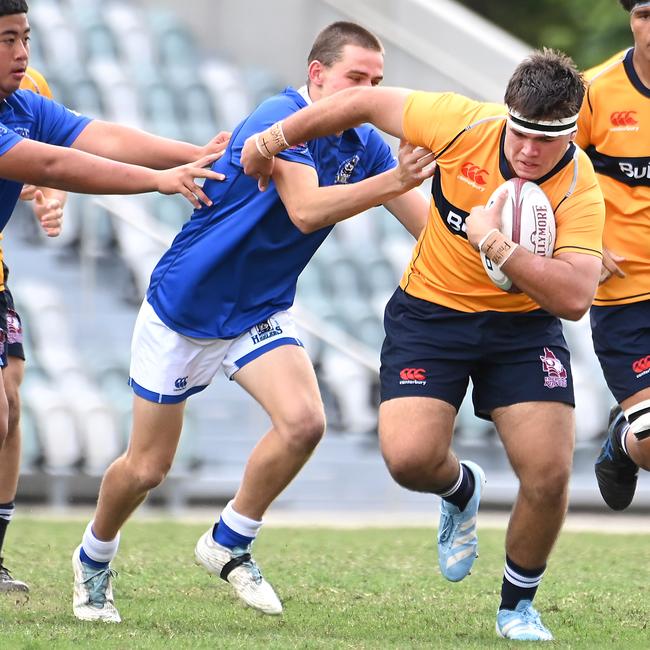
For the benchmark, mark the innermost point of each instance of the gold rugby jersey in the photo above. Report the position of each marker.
(35, 81)
(467, 137)
(614, 130)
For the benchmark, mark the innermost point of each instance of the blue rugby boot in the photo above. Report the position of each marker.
(522, 623)
(616, 472)
(457, 539)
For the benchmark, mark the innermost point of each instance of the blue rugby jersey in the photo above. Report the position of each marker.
(24, 114)
(236, 263)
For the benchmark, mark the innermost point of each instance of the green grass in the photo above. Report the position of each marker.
(351, 589)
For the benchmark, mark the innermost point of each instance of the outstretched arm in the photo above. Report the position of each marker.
(75, 171)
(345, 109)
(129, 145)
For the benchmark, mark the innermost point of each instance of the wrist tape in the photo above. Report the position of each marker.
(497, 247)
(272, 141)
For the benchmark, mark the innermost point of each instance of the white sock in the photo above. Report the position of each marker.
(96, 549)
(240, 523)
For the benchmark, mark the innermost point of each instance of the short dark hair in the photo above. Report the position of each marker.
(329, 44)
(628, 4)
(10, 7)
(546, 85)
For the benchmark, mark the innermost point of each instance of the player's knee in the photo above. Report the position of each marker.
(548, 486)
(146, 476)
(411, 471)
(303, 428)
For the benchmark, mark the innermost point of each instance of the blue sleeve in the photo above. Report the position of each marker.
(383, 158)
(8, 139)
(267, 113)
(56, 124)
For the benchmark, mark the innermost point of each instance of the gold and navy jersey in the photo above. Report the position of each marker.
(467, 137)
(35, 81)
(614, 130)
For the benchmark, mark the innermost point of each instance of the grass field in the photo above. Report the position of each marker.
(372, 588)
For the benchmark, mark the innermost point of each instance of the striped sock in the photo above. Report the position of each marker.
(6, 514)
(519, 584)
(460, 492)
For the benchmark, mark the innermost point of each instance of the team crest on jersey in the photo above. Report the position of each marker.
(265, 330)
(556, 374)
(345, 170)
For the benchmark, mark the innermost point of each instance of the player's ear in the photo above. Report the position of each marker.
(315, 72)
(572, 136)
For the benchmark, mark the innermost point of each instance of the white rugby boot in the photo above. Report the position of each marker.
(93, 592)
(237, 567)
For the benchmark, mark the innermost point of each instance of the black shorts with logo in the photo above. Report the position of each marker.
(433, 351)
(621, 336)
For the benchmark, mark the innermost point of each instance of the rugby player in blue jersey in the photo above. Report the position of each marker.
(27, 121)
(220, 297)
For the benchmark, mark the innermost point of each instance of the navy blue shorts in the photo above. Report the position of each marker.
(621, 336)
(433, 351)
(11, 331)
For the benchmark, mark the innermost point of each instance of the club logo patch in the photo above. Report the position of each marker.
(556, 374)
(265, 330)
(345, 170)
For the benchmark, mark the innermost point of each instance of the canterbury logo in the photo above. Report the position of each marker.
(641, 365)
(623, 118)
(413, 374)
(180, 383)
(474, 173)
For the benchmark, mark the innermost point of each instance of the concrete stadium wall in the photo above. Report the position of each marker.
(430, 44)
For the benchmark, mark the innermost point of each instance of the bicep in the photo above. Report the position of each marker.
(411, 210)
(387, 109)
(584, 266)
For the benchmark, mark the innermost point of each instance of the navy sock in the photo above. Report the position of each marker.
(90, 562)
(4, 522)
(519, 584)
(226, 536)
(463, 493)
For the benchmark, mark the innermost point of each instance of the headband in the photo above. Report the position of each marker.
(639, 5)
(550, 128)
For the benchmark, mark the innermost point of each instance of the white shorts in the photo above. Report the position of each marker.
(167, 367)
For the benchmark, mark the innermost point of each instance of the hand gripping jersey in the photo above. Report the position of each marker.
(614, 130)
(236, 263)
(468, 137)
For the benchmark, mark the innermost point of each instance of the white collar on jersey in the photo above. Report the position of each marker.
(305, 94)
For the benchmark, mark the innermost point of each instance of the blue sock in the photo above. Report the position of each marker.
(227, 537)
(90, 562)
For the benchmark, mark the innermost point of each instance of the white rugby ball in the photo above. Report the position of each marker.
(527, 219)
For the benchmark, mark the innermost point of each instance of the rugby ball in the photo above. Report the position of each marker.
(527, 219)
